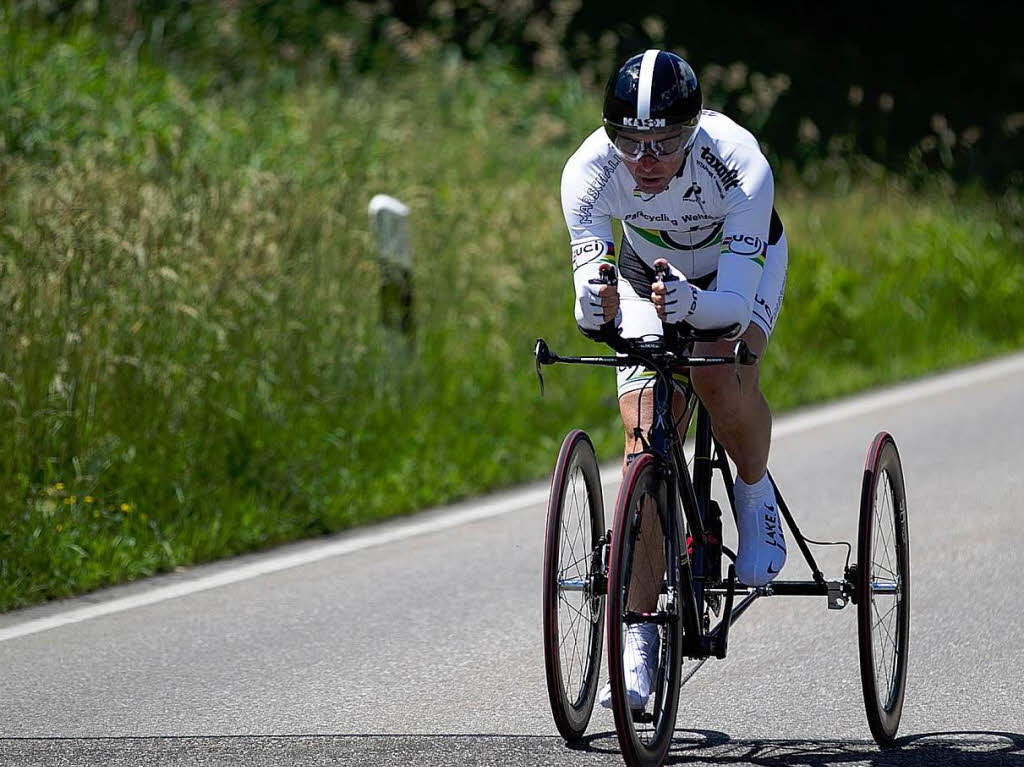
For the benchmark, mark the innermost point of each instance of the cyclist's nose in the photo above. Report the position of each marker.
(648, 161)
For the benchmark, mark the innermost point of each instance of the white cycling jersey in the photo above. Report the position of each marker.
(714, 221)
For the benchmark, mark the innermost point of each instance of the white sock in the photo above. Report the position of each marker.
(760, 490)
(762, 549)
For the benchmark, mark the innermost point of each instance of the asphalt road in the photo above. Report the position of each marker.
(427, 650)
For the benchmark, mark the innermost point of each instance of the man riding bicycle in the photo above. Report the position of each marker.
(694, 194)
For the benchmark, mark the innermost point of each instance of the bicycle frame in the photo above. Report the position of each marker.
(690, 500)
(682, 598)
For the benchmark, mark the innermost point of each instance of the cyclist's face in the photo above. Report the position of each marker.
(651, 172)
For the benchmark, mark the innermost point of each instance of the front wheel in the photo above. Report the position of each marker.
(644, 614)
(574, 585)
(883, 588)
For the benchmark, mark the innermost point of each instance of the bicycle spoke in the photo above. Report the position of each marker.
(882, 618)
(562, 572)
(875, 566)
(572, 536)
(886, 489)
(582, 535)
(574, 630)
(578, 612)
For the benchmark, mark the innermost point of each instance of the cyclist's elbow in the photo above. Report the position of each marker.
(742, 309)
(722, 308)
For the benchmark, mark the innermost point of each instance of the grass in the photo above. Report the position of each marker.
(193, 366)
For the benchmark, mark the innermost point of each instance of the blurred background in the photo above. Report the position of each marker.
(193, 362)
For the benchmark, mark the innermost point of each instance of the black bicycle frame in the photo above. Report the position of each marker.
(694, 495)
(701, 640)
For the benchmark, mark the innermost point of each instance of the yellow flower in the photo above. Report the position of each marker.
(89, 499)
(60, 528)
(74, 498)
(126, 507)
(69, 501)
(59, 486)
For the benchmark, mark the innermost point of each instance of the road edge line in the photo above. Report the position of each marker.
(794, 423)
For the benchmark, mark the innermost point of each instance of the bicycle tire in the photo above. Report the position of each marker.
(644, 746)
(883, 588)
(572, 593)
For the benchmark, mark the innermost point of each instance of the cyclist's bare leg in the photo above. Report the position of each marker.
(637, 410)
(740, 415)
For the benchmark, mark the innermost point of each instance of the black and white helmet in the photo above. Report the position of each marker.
(653, 91)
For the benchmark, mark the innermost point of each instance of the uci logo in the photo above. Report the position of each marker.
(745, 245)
(644, 122)
(585, 251)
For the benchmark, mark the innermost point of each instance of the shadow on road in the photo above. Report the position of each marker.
(937, 749)
(979, 748)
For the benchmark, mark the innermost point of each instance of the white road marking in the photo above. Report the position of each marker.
(899, 394)
(786, 426)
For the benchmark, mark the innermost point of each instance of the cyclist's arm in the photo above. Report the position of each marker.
(588, 215)
(741, 259)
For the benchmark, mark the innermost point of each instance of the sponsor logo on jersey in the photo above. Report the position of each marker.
(675, 221)
(693, 300)
(747, 246)
(693, 193)
(664, 239)
(644, 122)
(730, 177)
(591, 249)
(769, 313)
(593, 191)
(660, 218)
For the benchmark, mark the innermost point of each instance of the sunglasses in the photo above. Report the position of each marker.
(632, 148)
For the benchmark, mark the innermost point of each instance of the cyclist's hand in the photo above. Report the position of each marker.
(596, 304)
(674, 298)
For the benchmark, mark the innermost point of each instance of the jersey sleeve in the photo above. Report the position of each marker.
(586, 192)
(744, 244)
(745, 233)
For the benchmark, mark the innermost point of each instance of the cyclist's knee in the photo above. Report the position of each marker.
(637, 411)
(719, 390)
(725, 395)
(717, 385)
(631, 410)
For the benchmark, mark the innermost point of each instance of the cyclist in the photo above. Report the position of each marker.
(694, 192)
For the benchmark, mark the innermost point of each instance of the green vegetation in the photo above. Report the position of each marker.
(192, 365)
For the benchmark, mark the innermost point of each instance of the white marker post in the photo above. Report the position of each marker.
(389, 219)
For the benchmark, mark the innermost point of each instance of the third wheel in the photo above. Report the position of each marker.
(883, 588)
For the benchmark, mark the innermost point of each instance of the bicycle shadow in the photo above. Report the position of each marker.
(970, 748)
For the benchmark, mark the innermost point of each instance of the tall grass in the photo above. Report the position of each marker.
(192, 364)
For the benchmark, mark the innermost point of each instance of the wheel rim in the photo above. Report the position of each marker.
(645, 738)
(647, 577)
(883, 574)
(578, 607)
(887, 595)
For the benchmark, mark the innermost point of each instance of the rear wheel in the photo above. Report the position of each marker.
(643, 582)
(883, 588)
(574, 585)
